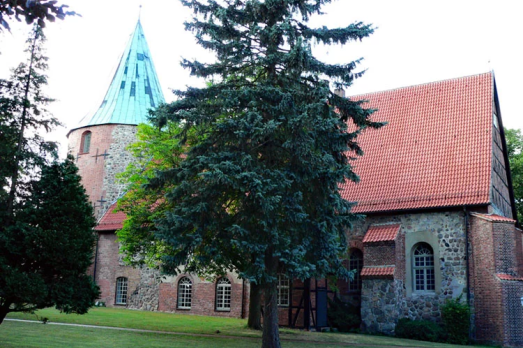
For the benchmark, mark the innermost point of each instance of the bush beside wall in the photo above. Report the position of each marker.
(456, 321)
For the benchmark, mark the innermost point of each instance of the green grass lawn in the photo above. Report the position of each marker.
(17, 334)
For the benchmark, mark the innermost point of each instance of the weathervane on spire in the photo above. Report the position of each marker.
(139, 11)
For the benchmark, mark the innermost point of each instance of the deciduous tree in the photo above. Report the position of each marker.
(515, 156)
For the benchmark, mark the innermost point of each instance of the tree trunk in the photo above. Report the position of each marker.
(254, 321)
(3, 312)
(271, 333)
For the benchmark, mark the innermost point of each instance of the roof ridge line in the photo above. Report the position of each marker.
(420, 84)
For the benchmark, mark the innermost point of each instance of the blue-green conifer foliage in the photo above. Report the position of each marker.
(259, 192)
(263, 181)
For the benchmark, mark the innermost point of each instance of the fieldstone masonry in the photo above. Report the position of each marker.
(385, 301)
(145, 296)
(120, 158)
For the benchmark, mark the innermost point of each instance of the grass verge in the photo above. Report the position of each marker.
(156, 321)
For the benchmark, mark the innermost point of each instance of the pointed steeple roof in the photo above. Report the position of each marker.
(134, 89)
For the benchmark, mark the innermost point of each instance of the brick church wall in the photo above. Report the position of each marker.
(98, 173)
(498, 313)
(149, 290)
(109, 267)
(204, 296)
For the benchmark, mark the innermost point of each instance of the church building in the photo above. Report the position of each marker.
(435, 189)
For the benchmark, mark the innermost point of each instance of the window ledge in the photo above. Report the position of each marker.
(423, 293)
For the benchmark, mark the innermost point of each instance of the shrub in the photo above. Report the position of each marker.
(422, 330)
(456, 320)
(343, 316)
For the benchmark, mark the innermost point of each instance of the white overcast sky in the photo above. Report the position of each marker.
(415, 42)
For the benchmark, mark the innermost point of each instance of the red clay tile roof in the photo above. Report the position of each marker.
(111, 221)
(494, 218)
(377, 271)
(381, 233)
(504, 276)
(435, 150)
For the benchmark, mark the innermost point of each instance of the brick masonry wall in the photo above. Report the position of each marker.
(204, 297)
(512, 292)
(98, 173)
(448, 230)
(488, 315)
(149, 290)
(380, 254)
(498, 314)
(92, 169)
(506, 256)
(109, 267)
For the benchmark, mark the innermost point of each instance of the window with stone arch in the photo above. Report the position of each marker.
(423, 268)
(184, 293)
(223, 294)
(121, 291)
(355, 263)
(85, 144)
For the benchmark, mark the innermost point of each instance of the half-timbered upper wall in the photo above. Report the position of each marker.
(499, 191)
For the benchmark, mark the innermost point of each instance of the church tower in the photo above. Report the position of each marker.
(100, 140)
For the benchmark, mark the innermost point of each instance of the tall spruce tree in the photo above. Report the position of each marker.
(259, 192)
(46, 221)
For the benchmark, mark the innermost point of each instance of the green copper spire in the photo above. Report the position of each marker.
(133, 90)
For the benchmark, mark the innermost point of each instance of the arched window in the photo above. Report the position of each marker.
(121, 291)
(423, 268)
(85, 144)
(283, 290)
(355, 263)
(184, 293)
(223, 295)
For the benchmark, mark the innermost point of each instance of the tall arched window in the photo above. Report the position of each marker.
(85, 144)
(355, 263)
(223, 294)
(121, 291)
(423, 268)
(184, 293)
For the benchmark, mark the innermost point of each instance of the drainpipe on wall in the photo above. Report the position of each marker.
(242, 315)
(467, 256)
(96, 256)
(467, 252)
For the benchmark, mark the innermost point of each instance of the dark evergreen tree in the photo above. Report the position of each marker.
(46, 251)
(23, 116)
(259, 192)
(46, 222)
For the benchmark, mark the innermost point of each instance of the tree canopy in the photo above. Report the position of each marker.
(258, 191)
(514, 140)
(46, 251)
(31, 11)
